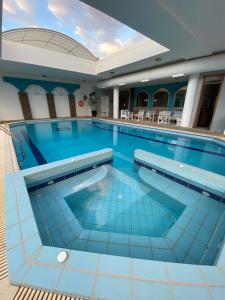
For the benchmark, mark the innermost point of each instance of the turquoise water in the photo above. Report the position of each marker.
(119, 214)
(44, 142)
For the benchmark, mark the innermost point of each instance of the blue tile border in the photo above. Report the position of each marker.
(155, 140)
(72, 174)
(180, 181)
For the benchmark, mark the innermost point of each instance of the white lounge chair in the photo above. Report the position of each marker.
(124, 114)
(164, 117)
(140, 115)
(176, 117)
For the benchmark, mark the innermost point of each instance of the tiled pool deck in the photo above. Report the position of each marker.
(97, 275)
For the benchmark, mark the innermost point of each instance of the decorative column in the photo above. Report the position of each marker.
(116, 102)
(72, 104)
(190, 99)
(25, 105)
(51, 105)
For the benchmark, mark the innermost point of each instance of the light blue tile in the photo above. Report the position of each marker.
(42, 277)
(17, 277)
(48, 255)
(99, 236)
(78, 244)
(158, 243)
(150, 290)
(13, 236)
(113, 288)
(29, 228)
(190, 292)
(83, 260)
(213, 275)
(185, 273)
(149, 269)
(115, 265)
(217, 293)
(77, 283)
(32, 245)
(15, 258)
(163, 255)
(11, 218)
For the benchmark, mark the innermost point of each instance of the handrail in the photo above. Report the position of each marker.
(23, 153)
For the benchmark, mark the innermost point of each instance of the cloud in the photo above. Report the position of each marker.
(19, 11)
(97, 31)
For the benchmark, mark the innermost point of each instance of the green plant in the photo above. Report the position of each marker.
(92, 100)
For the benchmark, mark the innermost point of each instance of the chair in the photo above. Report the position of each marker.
(151, 115)
(176, 117)
(124, 114)
(140, 115)
(164, 117)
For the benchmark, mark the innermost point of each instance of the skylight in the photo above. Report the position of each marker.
(100, 33)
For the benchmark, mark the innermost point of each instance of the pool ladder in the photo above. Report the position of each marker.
(15, 138)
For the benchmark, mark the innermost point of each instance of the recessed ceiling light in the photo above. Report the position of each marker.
(44, 76)
(158, 59)
(144, 80)
(122, 83)
(178, 75)
(111, 72)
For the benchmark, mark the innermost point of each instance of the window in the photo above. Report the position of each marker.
(142, 99)
(180, 97)
(160, 99)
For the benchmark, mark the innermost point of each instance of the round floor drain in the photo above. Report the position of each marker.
(62, 256)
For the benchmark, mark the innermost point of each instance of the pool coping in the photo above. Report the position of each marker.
(209, 278)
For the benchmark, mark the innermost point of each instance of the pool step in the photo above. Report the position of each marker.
(205, 182)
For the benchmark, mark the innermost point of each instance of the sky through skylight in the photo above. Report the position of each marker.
(98, 32)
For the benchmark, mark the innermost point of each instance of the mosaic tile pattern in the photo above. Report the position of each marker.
(193, 237)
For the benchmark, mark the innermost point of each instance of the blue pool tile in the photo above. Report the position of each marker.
(98, 247)
(140, 252)
(185, 273)
(138, 240)
(66, 233)
(42, 277)
(115, 265)
(197, 250)
(190, 292)
(13, 236)
(217, 293)
(29, 228)
(83, 261)
(77, 283)
(15, 258)
(158, 243)
(119, 249)
(149, 269)
(113, 288)
(213, 275)
(11, 218)
(163, 255)
(150, 290)
(32, 245)
(48, 255)
(78, 244)
(17, 277)
(99, 236)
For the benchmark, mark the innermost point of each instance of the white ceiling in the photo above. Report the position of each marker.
(189, 28)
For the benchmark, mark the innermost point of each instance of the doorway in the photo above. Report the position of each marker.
(208, 101)
(124, 100)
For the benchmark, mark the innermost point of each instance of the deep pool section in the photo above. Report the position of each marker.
(49, 141)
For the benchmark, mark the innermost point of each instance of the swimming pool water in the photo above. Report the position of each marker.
(45, 142)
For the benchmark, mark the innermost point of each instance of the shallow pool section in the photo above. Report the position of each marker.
(105, 211)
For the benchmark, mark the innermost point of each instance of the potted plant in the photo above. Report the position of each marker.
(92, 101)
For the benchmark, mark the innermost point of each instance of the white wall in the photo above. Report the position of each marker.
(10, 108)
(39, 106)
(218, 122)
(85, 88)
(62, 106)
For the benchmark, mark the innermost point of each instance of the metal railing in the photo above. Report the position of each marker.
(15, 138)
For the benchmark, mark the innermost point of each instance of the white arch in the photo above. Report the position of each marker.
(9, 100)
(35, 89)
(38, 101)
(60, 91)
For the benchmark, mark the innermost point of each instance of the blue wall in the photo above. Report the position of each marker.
(22, 83)
(172, 88)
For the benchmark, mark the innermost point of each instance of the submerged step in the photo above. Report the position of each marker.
(205, 182)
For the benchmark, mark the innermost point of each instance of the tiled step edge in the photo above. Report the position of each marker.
(41, 176)
(202, 181)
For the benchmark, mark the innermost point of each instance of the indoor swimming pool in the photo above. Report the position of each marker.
(123, 207)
